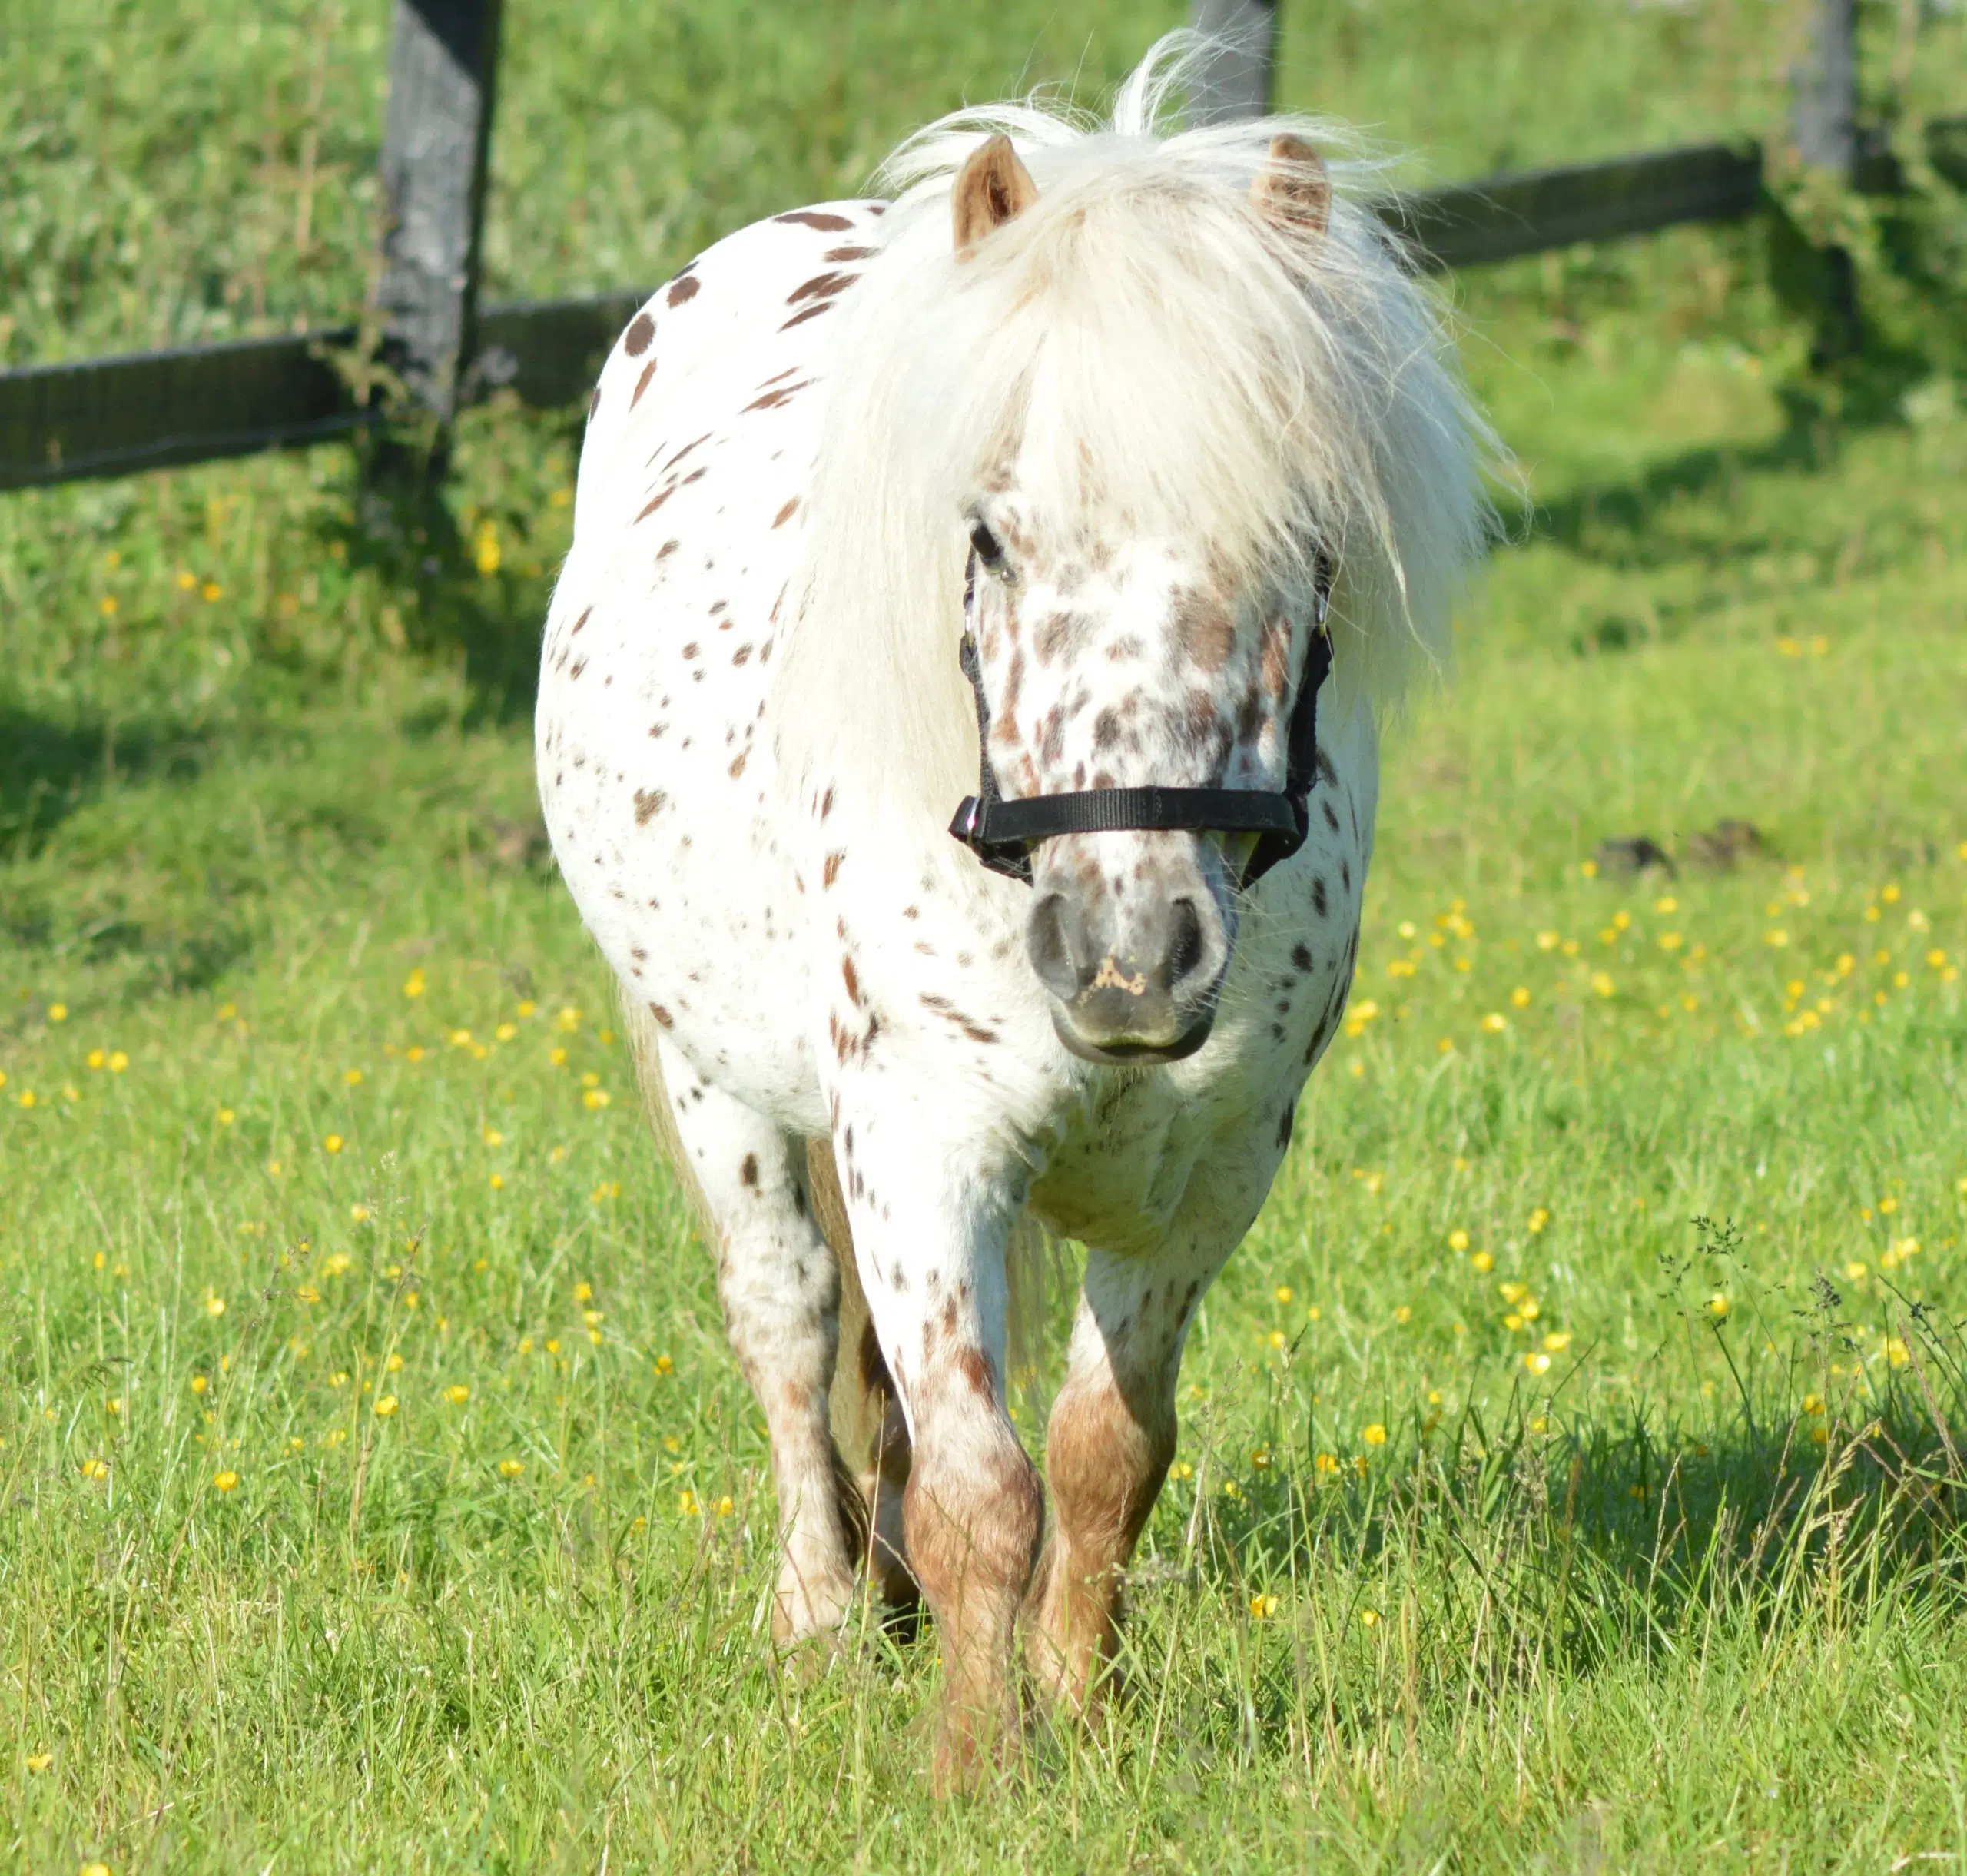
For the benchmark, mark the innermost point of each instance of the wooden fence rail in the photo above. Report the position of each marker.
(117, 415)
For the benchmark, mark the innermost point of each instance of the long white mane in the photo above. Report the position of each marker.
(1186, 368)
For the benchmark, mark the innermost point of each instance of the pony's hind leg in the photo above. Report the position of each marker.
(868, 1426)
(781, 1292)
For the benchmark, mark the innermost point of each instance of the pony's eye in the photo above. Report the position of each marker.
(987, 547)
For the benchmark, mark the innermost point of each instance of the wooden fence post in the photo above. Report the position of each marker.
(1236, 82)
(1824, 119)
(443, 59)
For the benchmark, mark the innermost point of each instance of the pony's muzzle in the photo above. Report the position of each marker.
(1133, 976)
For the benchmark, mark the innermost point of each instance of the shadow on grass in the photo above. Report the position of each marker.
(405, 531)
(1534, 1546)
(1618, 524)
(48, 769)
(1859, 384)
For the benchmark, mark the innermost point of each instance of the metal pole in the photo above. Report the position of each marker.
(1824, 111)
(443, 59)
(1236, 81)
(1824, 117)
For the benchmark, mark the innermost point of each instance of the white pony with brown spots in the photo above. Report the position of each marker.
(1153, 399)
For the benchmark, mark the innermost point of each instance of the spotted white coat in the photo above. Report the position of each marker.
(811, 966)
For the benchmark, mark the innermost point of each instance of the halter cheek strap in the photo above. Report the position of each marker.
(1002, 833)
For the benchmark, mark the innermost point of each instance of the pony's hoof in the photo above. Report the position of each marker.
(808, 1610)
(806, 1660)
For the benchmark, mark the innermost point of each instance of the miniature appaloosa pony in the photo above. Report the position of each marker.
(1102, 487)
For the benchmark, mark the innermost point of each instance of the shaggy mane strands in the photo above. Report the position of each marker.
(1164, 361)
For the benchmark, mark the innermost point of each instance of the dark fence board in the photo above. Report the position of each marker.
(109, 417)
(1234, 80)
(115, 416)
(436, 138)
(550, 351)
(1504, 216)
(112, 416)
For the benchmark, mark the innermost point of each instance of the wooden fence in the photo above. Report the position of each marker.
(115, 415)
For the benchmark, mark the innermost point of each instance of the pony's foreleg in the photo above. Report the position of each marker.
(931, 1257)
(781, 1292)
(1108, 1449)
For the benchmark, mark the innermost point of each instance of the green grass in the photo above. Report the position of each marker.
(1626, 1610)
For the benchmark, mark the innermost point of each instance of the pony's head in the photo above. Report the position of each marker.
(1151, 389)
(1117, 658)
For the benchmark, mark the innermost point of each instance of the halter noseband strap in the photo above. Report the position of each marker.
(1002, 833)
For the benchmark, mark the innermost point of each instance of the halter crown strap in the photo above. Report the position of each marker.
(1002, 833)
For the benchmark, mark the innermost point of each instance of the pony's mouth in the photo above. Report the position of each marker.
(1122, 1051)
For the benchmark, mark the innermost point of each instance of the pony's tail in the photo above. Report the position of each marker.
(1033, 1270)
(640, 1028)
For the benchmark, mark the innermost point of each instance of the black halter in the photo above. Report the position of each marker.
(1002, 833)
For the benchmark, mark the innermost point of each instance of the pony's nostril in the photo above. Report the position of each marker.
(1049, 946)
(1186, 943)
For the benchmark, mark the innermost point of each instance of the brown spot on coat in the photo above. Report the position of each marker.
(1205, 629)
(687, 448)
(806, 313)
(580, 622)
(812, 218)
(635, 340)
(786, 514)
(830, 871)
(646, 802)
(641, 384)
(851, 978)
(749, 1172)
(820, 287)
(974, 1366)
(662, 1016)
(683, 289)
(771, 400)
(655, 503)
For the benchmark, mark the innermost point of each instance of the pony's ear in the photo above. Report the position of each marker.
(991, 188)
(1292, 189)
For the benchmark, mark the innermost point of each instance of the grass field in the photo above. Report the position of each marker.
(1570, 1473)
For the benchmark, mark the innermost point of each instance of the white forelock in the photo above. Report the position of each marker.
(1164, 361)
